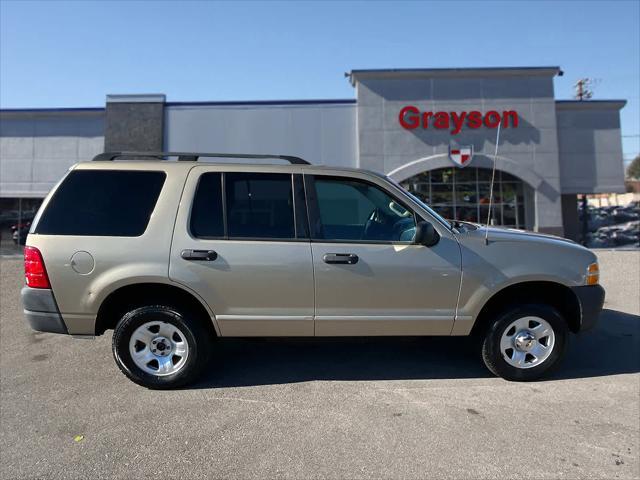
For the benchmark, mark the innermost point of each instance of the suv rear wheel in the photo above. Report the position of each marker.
(525, 342)
(160, 346)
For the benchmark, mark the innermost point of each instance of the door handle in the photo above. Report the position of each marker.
(344, 258)
(206, 255)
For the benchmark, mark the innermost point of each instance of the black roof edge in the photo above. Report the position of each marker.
(599, 100)
(568, 104)
(443, 70)
(453, 69)
(336, 101)
(339, 101)
(52, 110)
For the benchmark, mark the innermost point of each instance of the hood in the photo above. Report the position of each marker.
(513, 234)
(525, 256)
(524, 234)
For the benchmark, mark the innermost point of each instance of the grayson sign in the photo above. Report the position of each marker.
(411, 117)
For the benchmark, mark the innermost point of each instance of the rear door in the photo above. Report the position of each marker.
(369, 277)
(241, 242)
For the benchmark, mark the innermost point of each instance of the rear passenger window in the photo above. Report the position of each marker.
(102, 203)
(259, 205)
(207, 219)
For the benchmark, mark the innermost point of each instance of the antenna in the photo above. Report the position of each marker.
(582, 88)
(493, 176)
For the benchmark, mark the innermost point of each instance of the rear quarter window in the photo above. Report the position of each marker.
(102, 203)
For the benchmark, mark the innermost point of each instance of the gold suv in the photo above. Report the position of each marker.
(171, 254)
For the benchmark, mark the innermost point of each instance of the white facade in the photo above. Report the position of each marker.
(322, 133)
(37, 147)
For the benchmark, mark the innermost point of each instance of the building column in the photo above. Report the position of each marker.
(548, 210)
(570, 220)
(134, 123)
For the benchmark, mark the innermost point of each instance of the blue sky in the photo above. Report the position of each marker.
(69, 54)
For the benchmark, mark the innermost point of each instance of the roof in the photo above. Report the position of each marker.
(54, 110)
(356, 75)
(590, 104)
(137, 98)
(232, 103)
(338, 101)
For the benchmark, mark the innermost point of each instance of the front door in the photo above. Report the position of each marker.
(241, 243)
(369, 278)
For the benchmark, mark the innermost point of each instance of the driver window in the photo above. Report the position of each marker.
(353, 210)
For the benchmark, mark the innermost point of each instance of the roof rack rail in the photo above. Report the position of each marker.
(194, 156)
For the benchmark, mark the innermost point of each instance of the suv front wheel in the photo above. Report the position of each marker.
(160, 346)
(525, 342)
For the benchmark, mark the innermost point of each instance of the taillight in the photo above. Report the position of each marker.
(35, 272)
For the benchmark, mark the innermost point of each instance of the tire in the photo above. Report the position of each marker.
(180, 342)
(509, 351)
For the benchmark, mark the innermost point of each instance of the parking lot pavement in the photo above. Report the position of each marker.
(331, 408)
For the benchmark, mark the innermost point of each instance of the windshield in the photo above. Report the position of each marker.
(422, 204)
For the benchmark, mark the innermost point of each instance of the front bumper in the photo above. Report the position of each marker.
(41, 310)
(591, 299)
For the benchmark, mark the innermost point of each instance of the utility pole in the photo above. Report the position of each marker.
(585, 220)
(583, 90)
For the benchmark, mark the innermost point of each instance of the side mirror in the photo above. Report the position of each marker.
(426, 235)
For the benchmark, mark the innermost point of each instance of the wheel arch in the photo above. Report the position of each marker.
(546, 292)
(117, 302)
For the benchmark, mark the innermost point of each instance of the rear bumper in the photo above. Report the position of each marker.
(591, 299)
(41, 310)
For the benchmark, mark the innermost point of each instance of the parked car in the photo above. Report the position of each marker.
(19, 233)
(605, 225)
(624, 234)
(171, 254)
(9, 217)
(623, 215)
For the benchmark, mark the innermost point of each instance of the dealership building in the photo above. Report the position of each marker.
(432, 130)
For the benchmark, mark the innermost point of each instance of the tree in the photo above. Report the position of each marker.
(633, 170)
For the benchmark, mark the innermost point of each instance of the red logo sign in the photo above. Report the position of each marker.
(461, 156)
(411, 117)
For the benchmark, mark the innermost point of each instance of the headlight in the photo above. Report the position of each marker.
(593, 274)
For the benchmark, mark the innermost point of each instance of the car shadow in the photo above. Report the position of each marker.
(612, 348)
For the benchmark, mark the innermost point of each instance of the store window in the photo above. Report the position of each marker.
(16, 215)
(463, 194)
